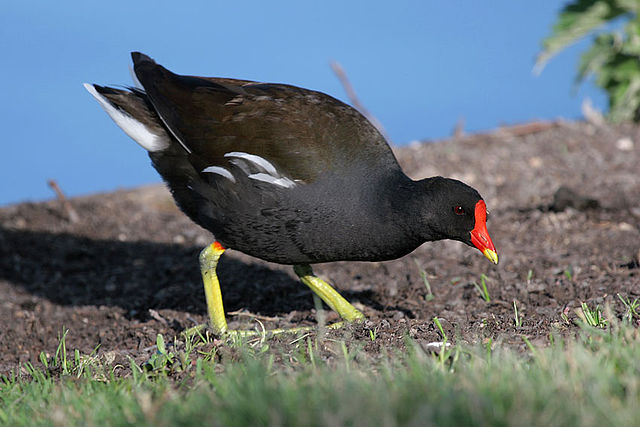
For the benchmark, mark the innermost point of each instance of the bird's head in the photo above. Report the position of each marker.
(457, 211)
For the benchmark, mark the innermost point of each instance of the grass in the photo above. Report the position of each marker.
(444, 354)
(517, 317)
(568, 273)
(594, 317)
(632, 308)
(589, 381)
(529, 276)
(482, 288)
(423, 274)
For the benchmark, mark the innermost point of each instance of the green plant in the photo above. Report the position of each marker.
(445, 353)
(593, 317)
(631, 308)
(346, 355)
(161, 359)
(614, 57)
(530, 346)
(80, 365)
(586, 380)
(488, 345)
(517, 316)
(427, 285)
(482, 288)
(568, 273)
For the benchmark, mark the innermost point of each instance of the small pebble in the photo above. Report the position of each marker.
(624, 144)
(623, 226)
(398, 315)
(535, 162)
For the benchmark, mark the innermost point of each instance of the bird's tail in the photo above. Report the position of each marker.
(131, 110)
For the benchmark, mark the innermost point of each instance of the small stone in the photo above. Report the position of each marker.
(109, 357)
(624, 144)
(535, 162)
(398, 315)
(535, 286)
(624, 226)
(435, 346)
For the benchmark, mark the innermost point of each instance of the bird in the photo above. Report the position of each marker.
(289, 175)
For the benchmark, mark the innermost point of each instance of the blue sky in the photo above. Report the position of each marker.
(417, 66)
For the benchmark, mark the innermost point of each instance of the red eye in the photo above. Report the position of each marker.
(459, 210)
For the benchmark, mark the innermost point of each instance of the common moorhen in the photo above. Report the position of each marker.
(285, 174)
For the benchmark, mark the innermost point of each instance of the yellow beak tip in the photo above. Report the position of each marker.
(491, 255)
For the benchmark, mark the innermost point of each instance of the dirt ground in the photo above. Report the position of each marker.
(564, 201)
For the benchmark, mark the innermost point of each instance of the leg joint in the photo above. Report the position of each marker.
(210, 255)
(303, 270)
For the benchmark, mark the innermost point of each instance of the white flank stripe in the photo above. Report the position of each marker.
(256, 160)
(220, 171)
(241, 164)
(270, 174)
(132, 127)
(281, 182)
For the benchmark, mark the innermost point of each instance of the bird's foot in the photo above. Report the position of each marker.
(232, 334)
(330, 296)
(209, 258)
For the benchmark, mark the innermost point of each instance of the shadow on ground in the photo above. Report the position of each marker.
(137, 276)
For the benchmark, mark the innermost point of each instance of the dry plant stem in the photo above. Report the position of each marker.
(251, 315)
(72, 215)
(353, 98)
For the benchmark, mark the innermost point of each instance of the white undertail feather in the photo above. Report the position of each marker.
(132, 127)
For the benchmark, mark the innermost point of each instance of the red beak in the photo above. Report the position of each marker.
(480, 235)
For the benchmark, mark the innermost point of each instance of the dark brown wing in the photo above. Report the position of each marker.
(303, 133)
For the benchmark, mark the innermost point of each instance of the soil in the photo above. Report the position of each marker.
(564, 201)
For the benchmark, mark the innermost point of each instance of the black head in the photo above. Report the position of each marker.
(454, 210)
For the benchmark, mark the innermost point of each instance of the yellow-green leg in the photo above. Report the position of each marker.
(209, 258)
(208, 263)
(329, 295)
